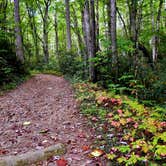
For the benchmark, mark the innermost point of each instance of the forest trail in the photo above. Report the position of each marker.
(42, 112)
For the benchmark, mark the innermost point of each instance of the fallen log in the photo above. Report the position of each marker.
(33, 157)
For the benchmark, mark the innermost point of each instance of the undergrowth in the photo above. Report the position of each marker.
(128, 132)
(14, 83)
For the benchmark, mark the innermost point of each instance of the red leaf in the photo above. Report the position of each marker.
(61, 162)
(85, 147)
(3, 151)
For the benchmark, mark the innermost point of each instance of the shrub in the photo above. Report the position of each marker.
(10, 67)
(70, 63)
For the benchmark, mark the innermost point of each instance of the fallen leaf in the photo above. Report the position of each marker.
(96, 153)
(61, 162)
(81, 135)
(54, 138)
(26, 123)
(45, 141)
(3, 151)
(85, 147)
(44, 131)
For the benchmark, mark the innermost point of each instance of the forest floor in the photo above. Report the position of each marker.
(42, 112)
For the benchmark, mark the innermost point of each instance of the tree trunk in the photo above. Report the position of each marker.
(133, 4)
(68, 29)
(77, 32)
(19, 41)
(123, 22)
(56, 33)
(32, 23)
(97, 26)
(86, 26)
(108, 18)
(155, 30)
(92, 53)
(83, 15)
(44, 15)
(45, 32)
(114, 38)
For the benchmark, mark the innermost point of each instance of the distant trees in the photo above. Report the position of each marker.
(30, 7)
(43, 10)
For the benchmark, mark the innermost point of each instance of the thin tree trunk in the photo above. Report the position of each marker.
(92, 53)
(123, 22)
(44, 15)
(83, 15)
(133, 4)
(56, 33)
(158, 29)
(87, 32)
(19, 41)
(34, 31)
(77, 32)
(114, 38)
(108, 18)
(97, 26)
(68, 29)
(45, 33)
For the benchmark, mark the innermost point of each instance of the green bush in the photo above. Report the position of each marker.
(70, 63)
(10, 67)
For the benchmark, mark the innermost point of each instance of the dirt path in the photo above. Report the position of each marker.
(42, 112)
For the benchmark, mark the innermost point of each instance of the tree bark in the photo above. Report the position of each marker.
(133, 7)
(77, 32)
(84, 27)
(108, 18)
(32, 23)
(45, 31)
(97, 26)
(19, 41)
(44, 15)
(68, 29)
(87, 28)
(56, 33)
(114, 38)
(156, 29)
(92, 53)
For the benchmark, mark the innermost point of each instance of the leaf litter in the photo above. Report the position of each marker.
(53, 116)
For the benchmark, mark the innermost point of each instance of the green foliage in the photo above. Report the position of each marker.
(47, 68)
(129, 132)
(10, 67)
(70, 63)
